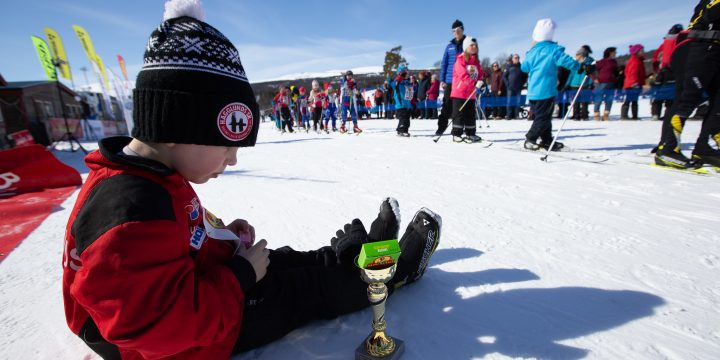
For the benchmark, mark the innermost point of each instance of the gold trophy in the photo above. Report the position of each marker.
(377, 262)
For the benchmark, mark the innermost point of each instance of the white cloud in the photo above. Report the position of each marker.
(266, 62)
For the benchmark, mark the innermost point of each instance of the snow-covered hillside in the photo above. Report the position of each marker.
(557, 260)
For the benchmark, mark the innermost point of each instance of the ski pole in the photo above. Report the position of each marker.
(482, 111)
(557, 134)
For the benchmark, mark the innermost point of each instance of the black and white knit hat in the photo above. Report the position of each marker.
(192, 88)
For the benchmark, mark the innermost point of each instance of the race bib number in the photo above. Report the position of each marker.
(409, 92)
(472, 71)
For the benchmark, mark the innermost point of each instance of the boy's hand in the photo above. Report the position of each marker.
(243, 230)
(257, 255)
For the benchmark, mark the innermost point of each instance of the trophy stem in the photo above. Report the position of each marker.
(378, 343)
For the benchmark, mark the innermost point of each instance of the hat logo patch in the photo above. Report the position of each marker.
(235, 121)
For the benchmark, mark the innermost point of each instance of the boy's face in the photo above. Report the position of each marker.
(199, 163)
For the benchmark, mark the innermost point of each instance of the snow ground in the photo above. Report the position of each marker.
(558, 260)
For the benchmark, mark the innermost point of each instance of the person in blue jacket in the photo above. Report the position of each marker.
(541, 63)
(575, 82)
(452, 50)
(404, 92)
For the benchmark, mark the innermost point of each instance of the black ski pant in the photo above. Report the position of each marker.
(287, 119)
(696, 66)
(317, 113)
(446, 110)
(403, 116)
(299, 287)
(580, 109)
(542, 123)
(463, 120)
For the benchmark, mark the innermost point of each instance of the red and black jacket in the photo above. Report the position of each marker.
(141, 279)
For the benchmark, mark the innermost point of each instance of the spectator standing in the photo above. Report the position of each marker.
(575, 82)
(497, 90)
(378, 96)
(514, 80)
(606, 76)
(432, 97)
(634, 81)
(664, 83)
(423, 86)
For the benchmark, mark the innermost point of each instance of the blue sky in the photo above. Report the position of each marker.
(277, 38)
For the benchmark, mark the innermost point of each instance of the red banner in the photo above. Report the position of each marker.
(122, 66)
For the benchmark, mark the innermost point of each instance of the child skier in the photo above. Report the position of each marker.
(331, 107)
(283, 100)
(348, 88)
(302, 103)
(541, 63)
(403, 91)
(153, 274)
(468, 76)
(316, 100)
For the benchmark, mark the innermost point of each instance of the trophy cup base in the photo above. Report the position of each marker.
(362, 354)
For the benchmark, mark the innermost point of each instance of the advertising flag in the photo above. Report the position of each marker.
(58, 52)
(122, 67)
(101, 66)
(45, 57)
(86, 42)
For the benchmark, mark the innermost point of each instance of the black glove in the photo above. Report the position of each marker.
(586, 68)
(348, 242)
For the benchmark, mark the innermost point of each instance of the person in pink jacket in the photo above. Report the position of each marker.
(432, 98)
(468, 76)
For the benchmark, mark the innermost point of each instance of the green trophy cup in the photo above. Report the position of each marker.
(377, 262)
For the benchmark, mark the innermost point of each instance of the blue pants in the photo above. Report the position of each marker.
(343, 114)
(604, 92)
(330, 114)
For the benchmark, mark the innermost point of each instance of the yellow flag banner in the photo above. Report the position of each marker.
(122, 67)
(101, 66)
(86, 42)
(58, 51)
(45, 57)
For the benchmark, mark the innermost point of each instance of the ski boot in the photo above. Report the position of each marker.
(334, 129)
(558, 146)
(343, 129)
(710, 162)
(417, 246)
(531, 145)
(672, 157)
(356, 130)
(472, 139)
(403, 134)
(458, 139)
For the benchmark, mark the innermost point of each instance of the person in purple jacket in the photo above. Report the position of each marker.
(606, 77)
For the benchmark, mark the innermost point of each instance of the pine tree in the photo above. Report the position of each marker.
(392, 60)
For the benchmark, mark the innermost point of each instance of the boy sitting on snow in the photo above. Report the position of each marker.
(149, 273)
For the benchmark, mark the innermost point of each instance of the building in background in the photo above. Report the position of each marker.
(36, 106)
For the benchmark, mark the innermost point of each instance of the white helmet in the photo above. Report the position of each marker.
(315, 84)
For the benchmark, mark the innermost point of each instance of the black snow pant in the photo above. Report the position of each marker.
(696, 66)
(403, 116)
(299, 287)
(317, 113)
(542, 123)
(446, 110)
(287, 120)
(463, 120)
